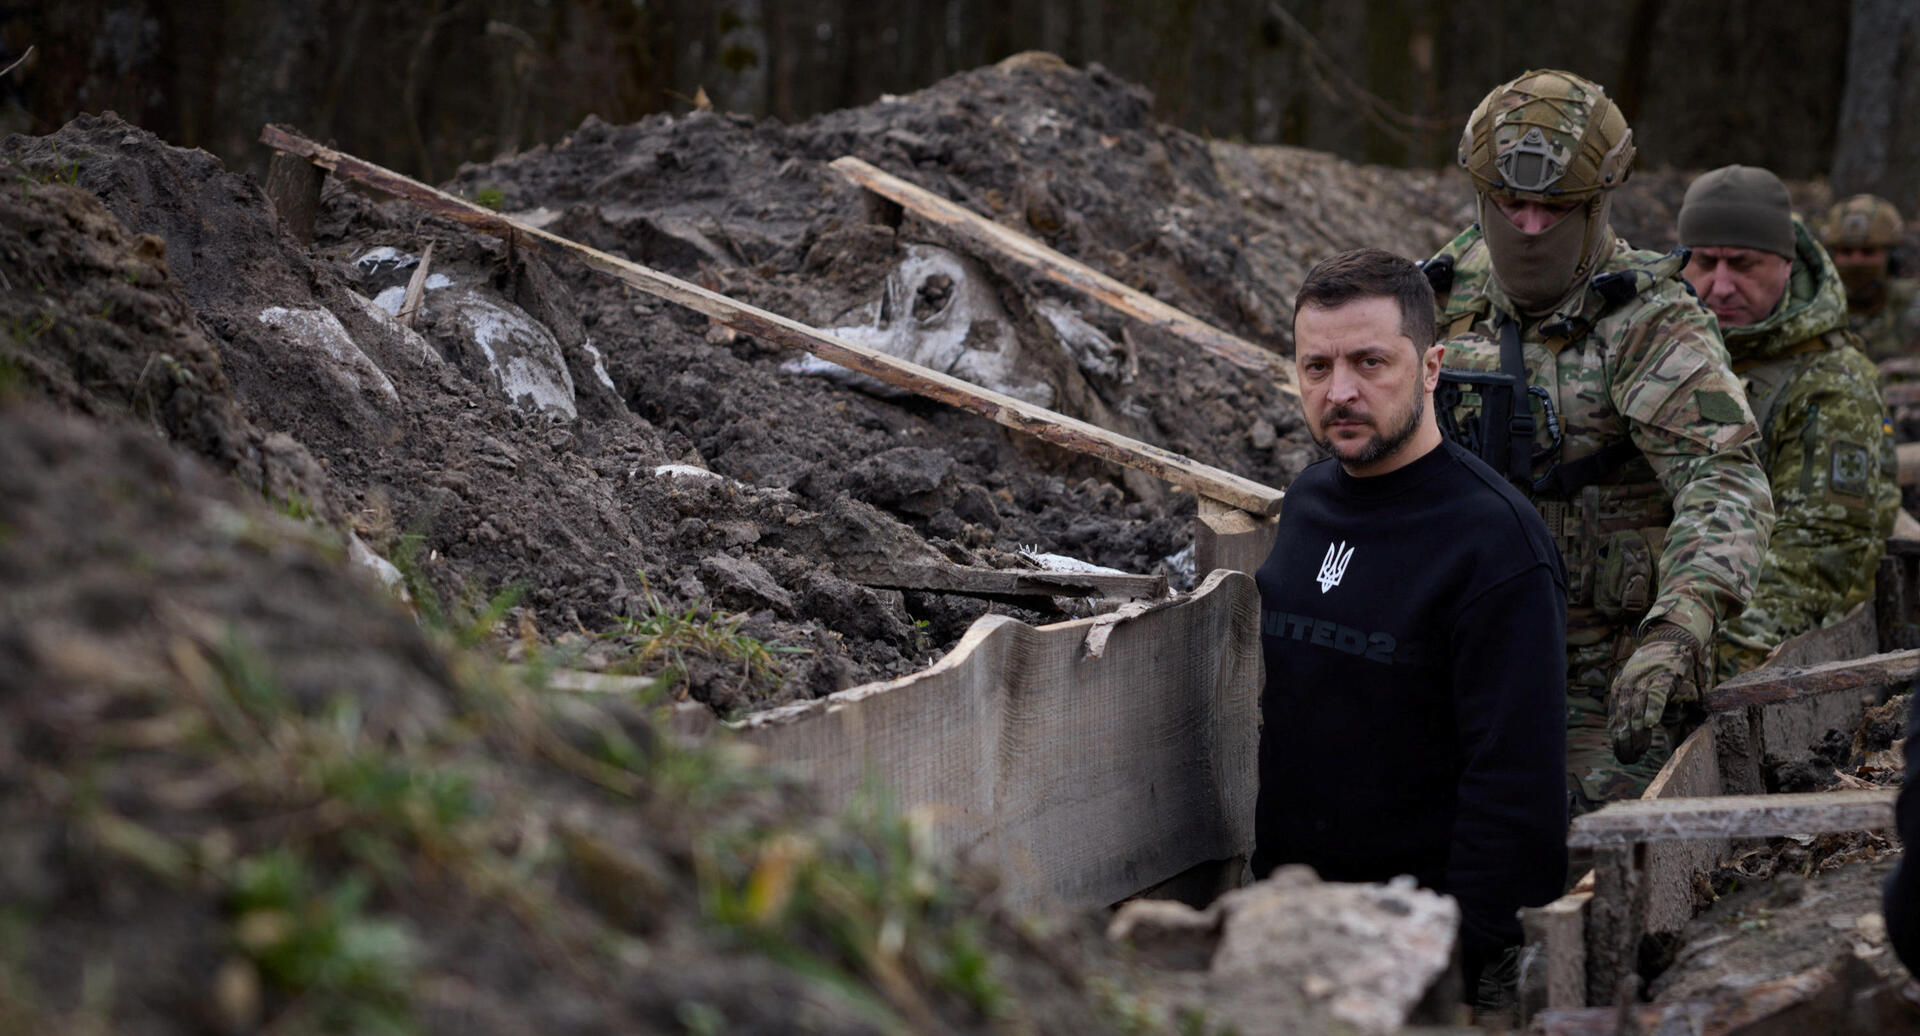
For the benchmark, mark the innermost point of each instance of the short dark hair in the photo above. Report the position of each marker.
(1364, 273)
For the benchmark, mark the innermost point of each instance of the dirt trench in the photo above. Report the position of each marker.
(611, 459)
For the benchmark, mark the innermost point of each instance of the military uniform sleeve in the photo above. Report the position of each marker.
(1834, 505)
(1690, 419)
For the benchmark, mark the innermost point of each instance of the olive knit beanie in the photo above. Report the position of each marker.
(1738, 206)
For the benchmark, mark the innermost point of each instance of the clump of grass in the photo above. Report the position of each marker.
(469, 618)
(490, 197)
(862, 905)
(663, 642)
(343, 969)
(297, 506)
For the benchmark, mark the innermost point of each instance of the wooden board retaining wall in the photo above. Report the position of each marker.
(1088, 760)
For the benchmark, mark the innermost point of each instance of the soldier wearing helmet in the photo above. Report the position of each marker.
(1584, 370)
(1884, 310)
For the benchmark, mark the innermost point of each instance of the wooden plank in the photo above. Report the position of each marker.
(1903, 393)
(1692, 772)
(1771, 684)
(1554, 975)
(1613, 919)
(1734, 816)
(587, 682)
(1067, 432)
(1083, 779)
(416, 286)
(1803, 1002)
(1227, 537)
(970, 579)
(1908, 454)
(1794, 731)
(294, 188)
(980, 234)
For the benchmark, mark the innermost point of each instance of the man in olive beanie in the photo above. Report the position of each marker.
(1826, 442)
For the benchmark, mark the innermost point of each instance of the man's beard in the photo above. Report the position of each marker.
(1380, 446)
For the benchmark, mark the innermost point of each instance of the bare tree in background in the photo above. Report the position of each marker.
(1879, 144)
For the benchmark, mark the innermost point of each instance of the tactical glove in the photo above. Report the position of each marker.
(1666, 670)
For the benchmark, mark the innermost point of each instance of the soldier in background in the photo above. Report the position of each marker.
(1826, 440)
(1882, 309)
(1584, 371)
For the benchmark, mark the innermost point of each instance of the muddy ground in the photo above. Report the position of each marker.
(248, 785)
(262, 544)
(608, 457)
(1784, 905)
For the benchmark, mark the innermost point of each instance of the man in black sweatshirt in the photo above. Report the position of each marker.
(1413, 621)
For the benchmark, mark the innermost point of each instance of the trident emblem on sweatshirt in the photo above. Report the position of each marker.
(1333, 567)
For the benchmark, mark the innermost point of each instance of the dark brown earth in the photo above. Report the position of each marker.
(568, 505)
(244, 790)
(1783, 905)
(244, 786)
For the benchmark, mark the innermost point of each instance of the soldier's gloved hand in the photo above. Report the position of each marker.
(1665, 670)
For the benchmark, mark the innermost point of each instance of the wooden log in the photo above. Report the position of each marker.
(1733, 816)
(1770, 684)
(1059, 429)
(294, 188)
(980, 234)
(968, 579)
(1227, 537)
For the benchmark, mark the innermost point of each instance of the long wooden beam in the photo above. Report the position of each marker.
(1733, 816)
(984, 235)
(1770, 684)
(972, 579)
(1059, 429)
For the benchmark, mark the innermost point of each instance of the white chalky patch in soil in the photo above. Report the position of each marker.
(385, 255)
(967, 335)
(1091, 348)
(382, 569)
(377, 310)
(522, 353)
(1063, 563)
(599, 365)
(685, 471)
(319, 329)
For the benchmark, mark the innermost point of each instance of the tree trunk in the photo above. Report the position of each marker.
(1879, 147)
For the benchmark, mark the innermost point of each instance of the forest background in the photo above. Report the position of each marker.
(1805, 89)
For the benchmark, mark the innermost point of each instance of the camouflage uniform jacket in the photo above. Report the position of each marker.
(1674, 531)
(1891, 328)
(1827, 446)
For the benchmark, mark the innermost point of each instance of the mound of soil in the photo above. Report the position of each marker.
(610, 457)
(251, 789)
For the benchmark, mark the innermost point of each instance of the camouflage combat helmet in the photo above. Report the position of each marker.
(1547, 136)
(1862, 221)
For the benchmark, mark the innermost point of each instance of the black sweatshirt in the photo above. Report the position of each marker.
(1900, 902)
(1413, 721)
